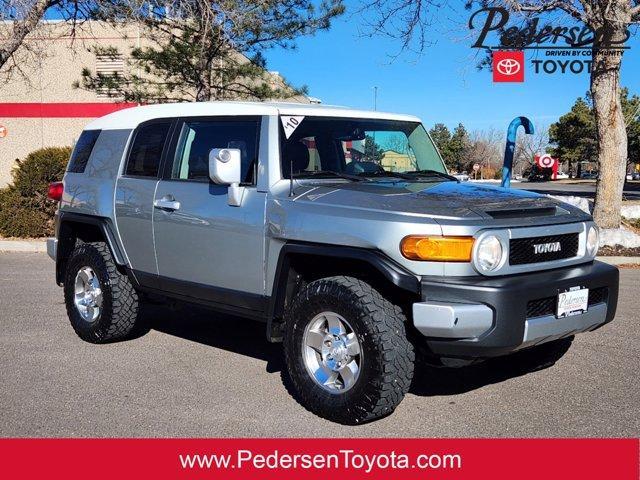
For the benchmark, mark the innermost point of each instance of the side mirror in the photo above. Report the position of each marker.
(224, 165)
(224, 169)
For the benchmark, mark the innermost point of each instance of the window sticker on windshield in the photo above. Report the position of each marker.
(290, 123)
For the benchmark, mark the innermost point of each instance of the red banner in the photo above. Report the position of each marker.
(314, 459)
(60, 110)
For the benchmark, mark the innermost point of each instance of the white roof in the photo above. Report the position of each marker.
(130, 118)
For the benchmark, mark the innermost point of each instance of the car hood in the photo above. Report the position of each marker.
(441, 200)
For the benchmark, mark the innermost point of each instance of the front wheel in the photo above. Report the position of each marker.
(347, 351)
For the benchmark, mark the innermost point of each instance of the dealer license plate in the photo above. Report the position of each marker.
(573, 302)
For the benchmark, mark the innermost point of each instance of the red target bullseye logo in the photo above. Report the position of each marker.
(545, 161)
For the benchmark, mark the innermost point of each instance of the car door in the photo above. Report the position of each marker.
(205, 248)
(135, 190)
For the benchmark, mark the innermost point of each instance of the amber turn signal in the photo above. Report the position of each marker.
(437, 249)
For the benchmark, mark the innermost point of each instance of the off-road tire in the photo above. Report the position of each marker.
(388, 357)
(120, 303)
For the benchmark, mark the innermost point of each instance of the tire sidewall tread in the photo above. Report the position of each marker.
(120, 303)
(388, 358)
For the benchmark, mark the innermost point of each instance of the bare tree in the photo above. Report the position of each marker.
(21, 18)
(405, 20)
(486, 149)
(528, 146)
(608, 19)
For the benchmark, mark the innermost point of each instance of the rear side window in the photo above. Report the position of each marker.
(82, 151)
(144, 157)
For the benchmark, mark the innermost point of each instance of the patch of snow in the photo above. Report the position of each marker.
(630, 211)
(619, 236)
(580, 202)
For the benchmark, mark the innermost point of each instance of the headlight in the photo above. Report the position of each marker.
(489, 253)
(593, 241)
(437, 249)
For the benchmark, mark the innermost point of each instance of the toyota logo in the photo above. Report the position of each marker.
(508, 66)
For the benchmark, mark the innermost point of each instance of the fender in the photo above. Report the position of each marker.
(391, 270)
(104, 224)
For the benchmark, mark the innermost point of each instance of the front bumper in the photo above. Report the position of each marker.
(477, 317)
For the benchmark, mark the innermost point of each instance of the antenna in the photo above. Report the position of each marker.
(291, 177)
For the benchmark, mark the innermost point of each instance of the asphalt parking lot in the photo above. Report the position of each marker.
(196, 373)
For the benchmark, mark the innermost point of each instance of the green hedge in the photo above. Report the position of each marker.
(25, 210)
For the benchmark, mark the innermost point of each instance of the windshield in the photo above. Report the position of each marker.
(332, 147)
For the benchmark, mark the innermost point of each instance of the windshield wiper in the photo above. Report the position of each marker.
(329, 173)
(409, 175)
(431, 173)
(385, 173)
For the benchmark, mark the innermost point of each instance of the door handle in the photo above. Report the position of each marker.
(166, 203)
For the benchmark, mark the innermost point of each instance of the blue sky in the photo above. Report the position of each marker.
(341, 67)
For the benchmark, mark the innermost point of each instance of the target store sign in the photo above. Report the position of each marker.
(545, 161)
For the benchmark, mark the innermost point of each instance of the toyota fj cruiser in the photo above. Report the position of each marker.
(340, 229)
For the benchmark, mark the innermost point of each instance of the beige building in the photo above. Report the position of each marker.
(398, 162)
(44, 109)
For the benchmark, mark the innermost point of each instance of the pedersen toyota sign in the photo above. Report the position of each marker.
(555, 49)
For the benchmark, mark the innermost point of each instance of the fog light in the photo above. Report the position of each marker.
(489, 253)
(593, 241)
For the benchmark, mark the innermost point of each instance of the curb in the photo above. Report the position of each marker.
(619, 260)
(24, 246)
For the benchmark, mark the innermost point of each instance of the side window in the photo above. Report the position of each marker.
(82, 151)
(145, 153)
(197, 138)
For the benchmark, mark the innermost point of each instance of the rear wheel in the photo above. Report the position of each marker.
(347, 350)
(101, 302)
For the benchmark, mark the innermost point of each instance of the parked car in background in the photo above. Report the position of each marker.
(561, 175)
(537, 174)
(589, 175)
(463, 177)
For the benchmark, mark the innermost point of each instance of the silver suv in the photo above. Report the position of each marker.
(340, 229)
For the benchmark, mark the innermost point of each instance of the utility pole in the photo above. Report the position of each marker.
(375, 98)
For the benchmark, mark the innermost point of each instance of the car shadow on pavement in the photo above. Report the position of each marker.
(233, 334)
(246, 337)
(432, 381)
